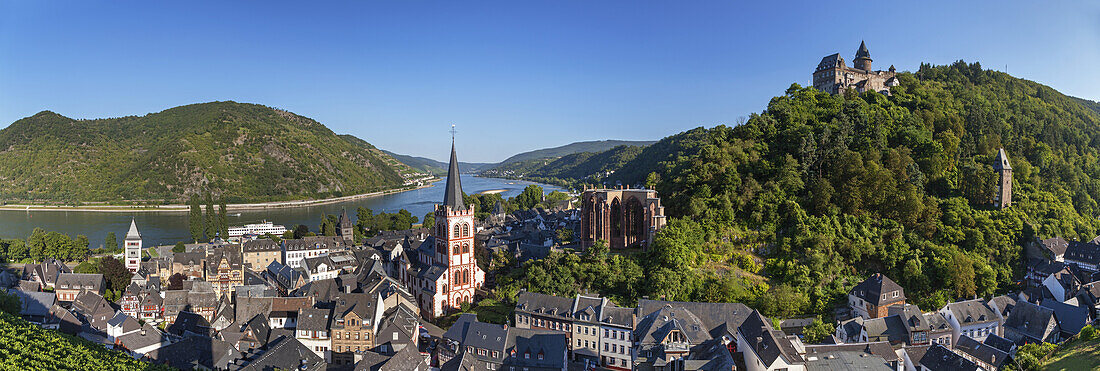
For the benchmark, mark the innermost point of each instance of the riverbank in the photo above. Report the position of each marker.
(228, 207)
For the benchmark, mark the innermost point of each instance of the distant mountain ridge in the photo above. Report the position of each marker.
(428, 165)
(244, 152)
(576, 147)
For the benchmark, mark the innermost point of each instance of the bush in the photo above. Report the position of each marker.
(1088, 333)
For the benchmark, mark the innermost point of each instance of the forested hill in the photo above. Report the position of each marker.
(428, 165)
(246, 152)
(571, 148)
(825, 190)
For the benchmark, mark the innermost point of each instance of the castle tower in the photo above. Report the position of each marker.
(454, 237)
(344, 228)
(863, 57)
(1003, 196)
(133, 247)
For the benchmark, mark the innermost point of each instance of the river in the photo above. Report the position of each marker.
(168, 228)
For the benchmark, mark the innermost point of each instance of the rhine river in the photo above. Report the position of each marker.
(168, 228)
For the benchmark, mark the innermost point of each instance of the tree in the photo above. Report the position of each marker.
(223, 223)
(175, 282)
(110, 244)
(210, 222)
(17, 250)
(429, 220)
(327, 225)
(194, 220)
(36, 244)
(79, 249)
(597, 252)
(10, 303)
(817, 331)
(180, 247)
(961, 275)
(86, 267)
(301, 230)
(565, 236)
(115, 273)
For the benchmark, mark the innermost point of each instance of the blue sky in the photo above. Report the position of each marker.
(512, 75)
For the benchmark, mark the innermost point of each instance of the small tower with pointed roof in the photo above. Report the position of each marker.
(344, 227)
(863, 57)
(132, 246)
(1003, 196)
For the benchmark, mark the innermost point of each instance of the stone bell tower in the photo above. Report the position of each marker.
(1003, 196)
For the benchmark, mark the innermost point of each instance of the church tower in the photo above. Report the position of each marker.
(345, 229)
(454, 243)
(1003, 197)
(863, 57)
(133, 247)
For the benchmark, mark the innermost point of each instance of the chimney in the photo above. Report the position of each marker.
(759, 343)
(142, 331)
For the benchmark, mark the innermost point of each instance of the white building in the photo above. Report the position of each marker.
(258, 229)
(295, 251)
(616, 332)
(972, 318)
(133, 248)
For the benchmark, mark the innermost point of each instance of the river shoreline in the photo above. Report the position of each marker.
(183, 208)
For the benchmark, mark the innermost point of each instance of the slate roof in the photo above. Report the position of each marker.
(1031, 321)
(194, 351)
(83, 281)
(314, 242)
(260, 245)
(872, 289)
(136, 340)
(985, 353)
(189, 322)
(314, 319)
(718, 319)
(1083, 252)
(553, 345)
(133, 233)
(845, 360)
(889, 328)
(452, 194)
(830, 61)
(189, 258)
(35, 303)
(1004, 304)
(773, 343)
(862, 52)
(939, 358)
(1070, 318)
(618, 316)
(882, 349)
(999, 343)
(286, 354)
(972, 312)
(1056, 245)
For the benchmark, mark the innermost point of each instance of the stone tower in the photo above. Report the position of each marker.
(132, 245)
(863, 57)
(454, 237)
(344, 227)
(1003, 196)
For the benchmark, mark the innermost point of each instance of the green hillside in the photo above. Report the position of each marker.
(246, 152)
(24, 346)
(819, 191)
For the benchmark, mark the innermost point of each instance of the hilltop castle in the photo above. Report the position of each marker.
(835, 77)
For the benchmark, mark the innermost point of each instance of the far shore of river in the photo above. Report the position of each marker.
(186, 208)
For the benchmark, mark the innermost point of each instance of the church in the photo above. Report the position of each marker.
(443, 272)
(835, 77)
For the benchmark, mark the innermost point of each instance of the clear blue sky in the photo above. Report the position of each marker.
(513, 75)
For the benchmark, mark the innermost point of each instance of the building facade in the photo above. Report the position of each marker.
(446, 274)
(258, 254)
(622, 217)
(834, 76)
(133, 248)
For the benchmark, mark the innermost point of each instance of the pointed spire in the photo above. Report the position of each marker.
(1001, 162)
(452, 195)
(863, 52)
(133, 233)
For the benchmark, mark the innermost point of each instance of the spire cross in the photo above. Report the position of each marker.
(453, 131)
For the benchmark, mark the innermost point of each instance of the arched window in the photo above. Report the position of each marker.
(465, 229)
(465, 247)
(456, 230)
(467, 277)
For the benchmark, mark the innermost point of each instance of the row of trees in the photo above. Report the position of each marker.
(206, 225)
(41, 244)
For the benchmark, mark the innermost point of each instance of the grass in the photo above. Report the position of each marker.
(1080, 355)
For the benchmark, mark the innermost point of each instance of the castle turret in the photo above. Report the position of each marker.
(1003, 196)
(344, 227)
(863, 57)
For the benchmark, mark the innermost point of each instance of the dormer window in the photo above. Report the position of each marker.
(895, 293)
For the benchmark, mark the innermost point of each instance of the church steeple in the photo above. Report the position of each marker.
(452, 195)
